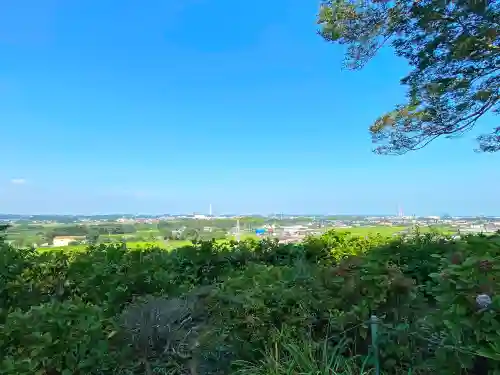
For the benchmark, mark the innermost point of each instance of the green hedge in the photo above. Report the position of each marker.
(216, 308)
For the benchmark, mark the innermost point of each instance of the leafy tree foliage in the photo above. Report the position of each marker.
(114, 228)
(3, 229)
(453, 48)
(191, 234)
(166, 233)
(70, 230)
(92, 238)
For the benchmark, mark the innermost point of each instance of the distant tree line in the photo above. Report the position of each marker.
(192, 234)
(83, 230)
(90, 232)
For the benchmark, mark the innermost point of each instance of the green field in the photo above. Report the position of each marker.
(131, 245)
(150, 240)
(389, 231)
(364, 231)
(172, 244)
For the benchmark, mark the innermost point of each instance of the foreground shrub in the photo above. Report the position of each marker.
(112, 275)
(204, 307)
(13, 263)
(331, 247)
(417, 256)
(467, 312)
(250, 303)
(364, 286)
(71, 337)
(317, 300)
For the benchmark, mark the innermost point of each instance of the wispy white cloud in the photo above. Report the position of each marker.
(18, 181)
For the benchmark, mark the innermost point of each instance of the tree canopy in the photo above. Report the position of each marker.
(453, 48)
(3, 229)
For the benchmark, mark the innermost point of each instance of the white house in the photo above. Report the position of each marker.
(65, 240)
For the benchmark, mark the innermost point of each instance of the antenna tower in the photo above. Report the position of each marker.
(238, 230)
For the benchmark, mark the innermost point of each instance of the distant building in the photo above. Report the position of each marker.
(66, 240)
(433, 218)
(201, 217)
(490, 228)
(478, 228)
(294, 230)
(125, 220)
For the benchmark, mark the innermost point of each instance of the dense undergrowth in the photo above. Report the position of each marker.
(254, 308)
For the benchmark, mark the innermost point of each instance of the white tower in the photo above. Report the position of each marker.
(210, 210)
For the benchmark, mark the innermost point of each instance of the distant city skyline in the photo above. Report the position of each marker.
(206, 214)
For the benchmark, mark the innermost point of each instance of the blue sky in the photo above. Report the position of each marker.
(119, 106)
